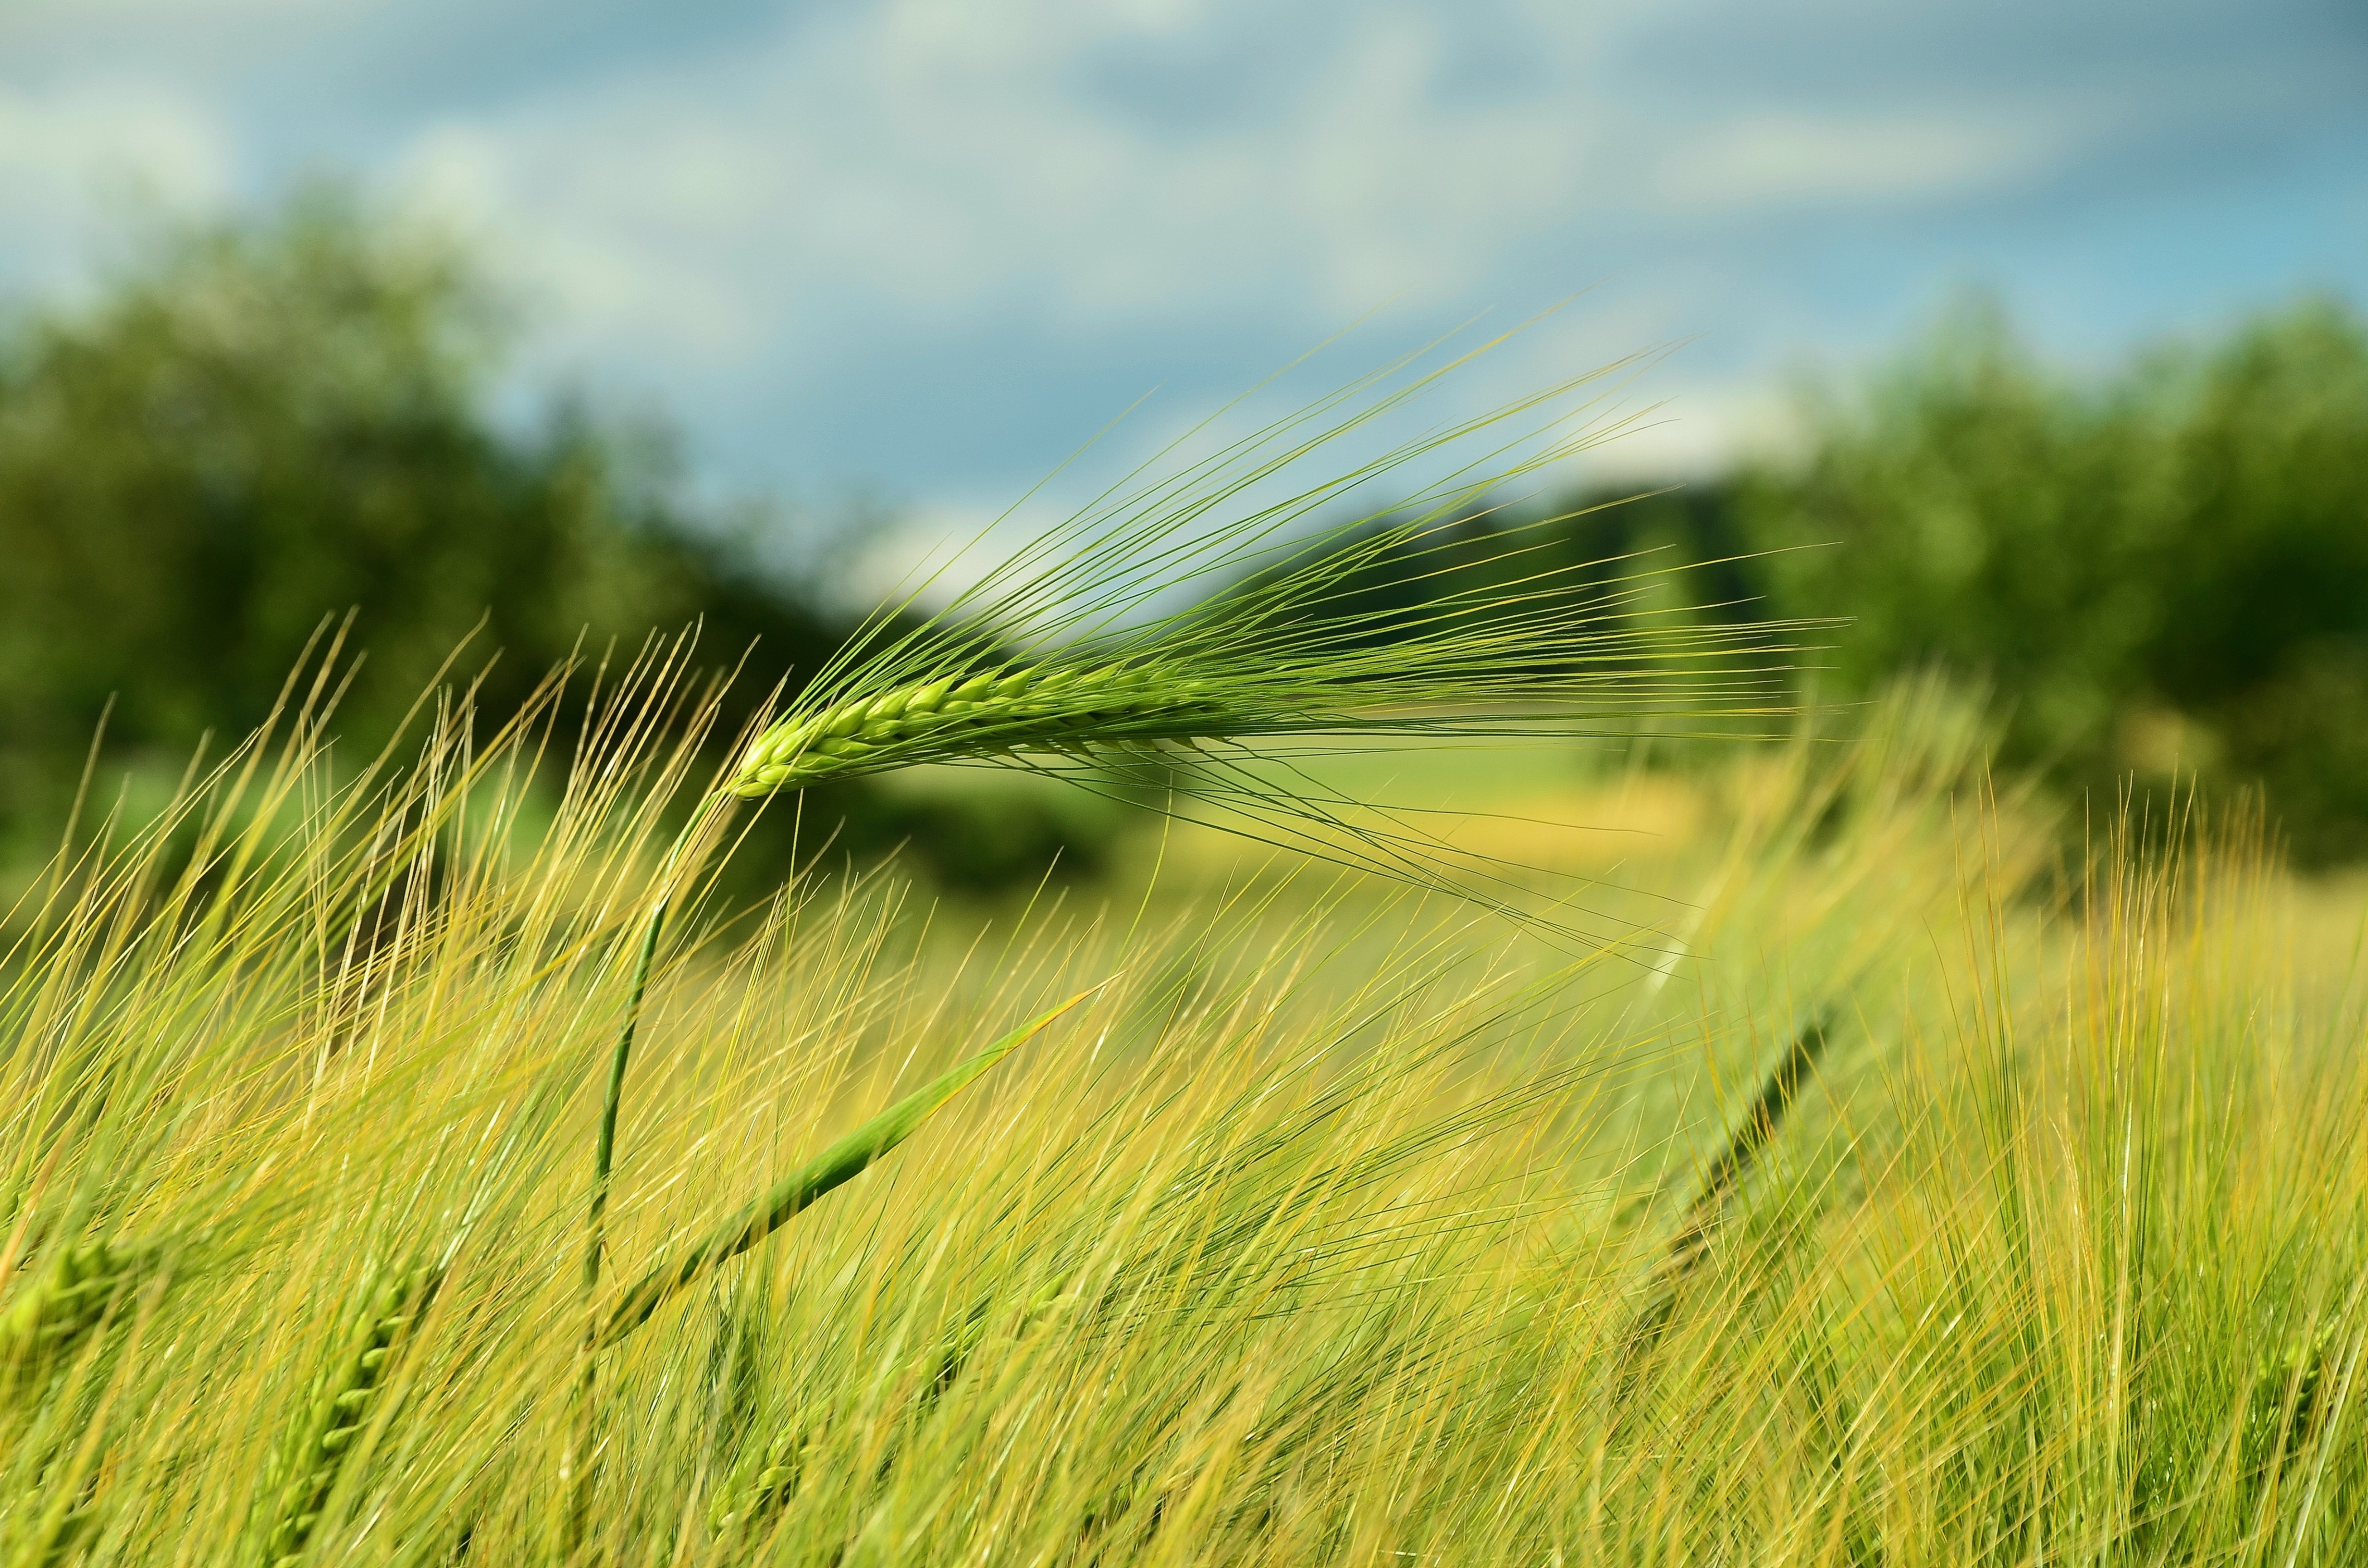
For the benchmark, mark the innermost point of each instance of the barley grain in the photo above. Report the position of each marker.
(53, 1315)
(982, 713)
(343, 1411)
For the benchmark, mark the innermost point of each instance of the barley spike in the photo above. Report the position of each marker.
(941, 720)
(341, 1414)
(53, 1313)
(1752, 1133)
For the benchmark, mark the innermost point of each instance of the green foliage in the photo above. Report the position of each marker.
(2160, 570)
(2164, 567)
(261, 425)
(990, 833)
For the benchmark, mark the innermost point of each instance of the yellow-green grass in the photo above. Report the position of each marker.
(1319, 1233)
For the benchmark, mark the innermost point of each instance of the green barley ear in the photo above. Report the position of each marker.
(1067, 658)
(55, 1313)
(1075, 640)
(1045, 708)
(764, 1482)
(1753, 1131)
(341, 1412)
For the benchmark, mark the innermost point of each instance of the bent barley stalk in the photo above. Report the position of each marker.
(839, 1163)
(1058, 652)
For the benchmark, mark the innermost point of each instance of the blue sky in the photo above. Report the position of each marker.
(924, 248)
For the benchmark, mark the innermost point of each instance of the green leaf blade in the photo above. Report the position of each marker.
(845, 1160)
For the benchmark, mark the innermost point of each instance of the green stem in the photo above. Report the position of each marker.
(575, 1465)
(604, 1153)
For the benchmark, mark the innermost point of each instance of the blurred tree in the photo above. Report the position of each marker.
(1966, 511)
(2263, 634)
(263, 425)
(2169, 566)
(2161, 569)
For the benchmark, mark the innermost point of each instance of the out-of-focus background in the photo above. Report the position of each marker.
(611, 314)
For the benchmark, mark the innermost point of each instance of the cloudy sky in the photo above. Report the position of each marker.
(925, 247)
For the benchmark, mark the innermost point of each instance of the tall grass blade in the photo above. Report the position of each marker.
(841, 1163)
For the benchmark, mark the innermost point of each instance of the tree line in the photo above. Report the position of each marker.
(257, 425)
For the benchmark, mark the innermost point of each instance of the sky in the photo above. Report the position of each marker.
(920, 250)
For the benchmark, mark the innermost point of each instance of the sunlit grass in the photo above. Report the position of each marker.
(1321, 1231)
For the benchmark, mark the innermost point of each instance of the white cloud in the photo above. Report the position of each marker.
(935, 162)
(70, 154)
(934, 156)
(1767, 159)
(937, 551)
(30, 19)
(604, 252)
(858, 241)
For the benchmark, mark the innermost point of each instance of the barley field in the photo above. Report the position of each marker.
(1531, 1091)
(1846, 1178)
